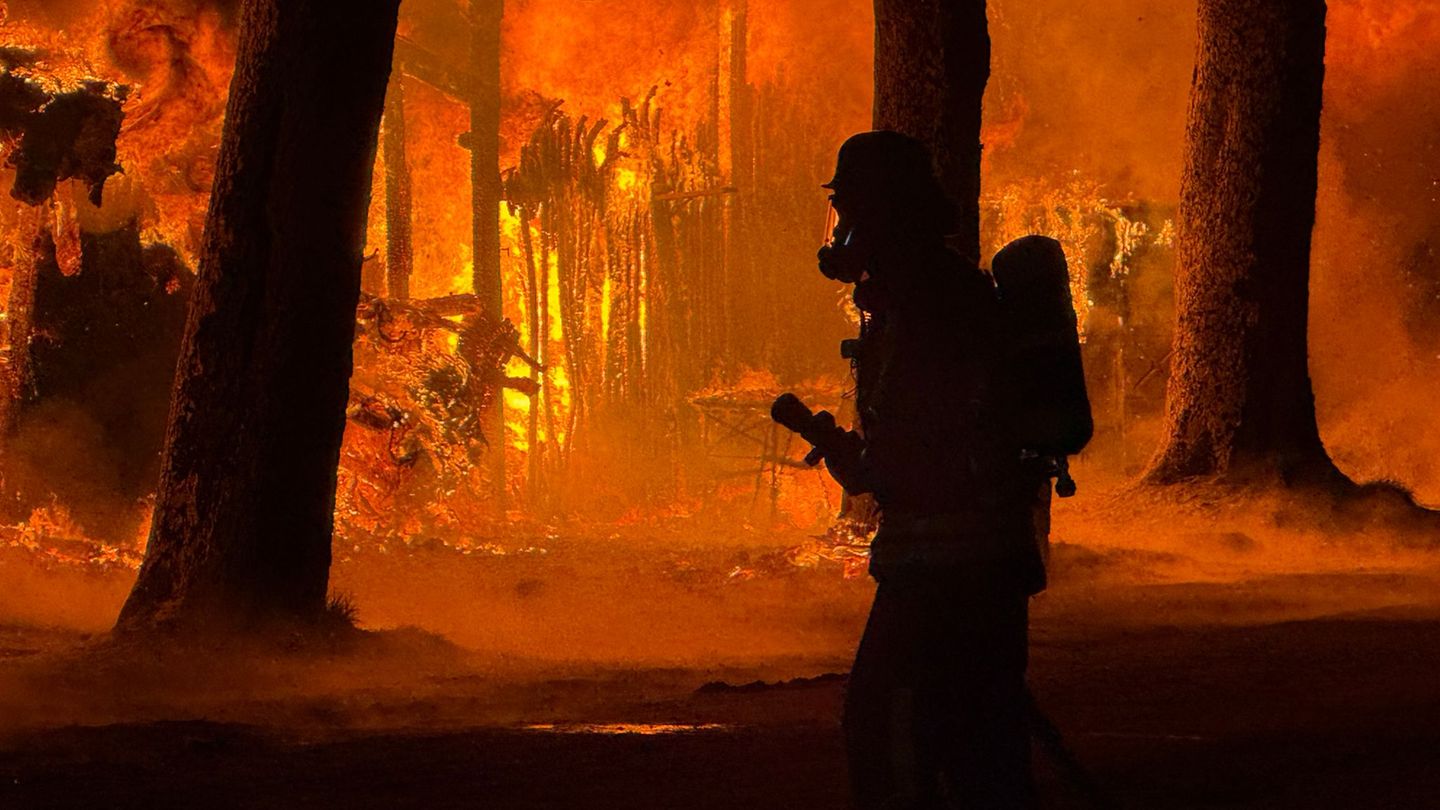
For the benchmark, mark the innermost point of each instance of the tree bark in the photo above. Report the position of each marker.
(1240, 403)
(244, 510)
(932, 62)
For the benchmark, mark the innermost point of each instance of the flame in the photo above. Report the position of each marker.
(585, 306)
(589, 281)
(1080, 217)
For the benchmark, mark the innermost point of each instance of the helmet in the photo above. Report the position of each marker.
(882, 162)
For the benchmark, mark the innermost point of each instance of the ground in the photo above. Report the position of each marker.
(1189, 665)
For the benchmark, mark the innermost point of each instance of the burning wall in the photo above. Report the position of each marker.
(647, 200)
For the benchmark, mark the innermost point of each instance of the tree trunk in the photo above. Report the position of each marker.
(399, 249)
(16, 370)
(932, 61)
(244, 511)
(746, 295)
(484, 142)
(1240, 405)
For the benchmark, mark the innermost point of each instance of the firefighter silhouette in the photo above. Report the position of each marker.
(969, 398)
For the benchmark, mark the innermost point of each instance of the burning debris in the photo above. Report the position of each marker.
(57, 136)
(423, 381)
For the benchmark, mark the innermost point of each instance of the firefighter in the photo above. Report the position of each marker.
(936, 709)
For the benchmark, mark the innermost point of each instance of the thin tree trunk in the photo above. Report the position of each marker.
(16, 369)
(932, 62)
(244, 510)
(744, 295)
(1240, 402)
(399, 248)
(537, 343)
(485, 190)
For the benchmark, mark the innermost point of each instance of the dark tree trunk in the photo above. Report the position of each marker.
(485, 189)
(932, 61)
(16, 372)
(399, 250)
(244, 510)
(1240, 404)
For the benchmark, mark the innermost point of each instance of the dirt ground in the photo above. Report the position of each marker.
(1275, 667)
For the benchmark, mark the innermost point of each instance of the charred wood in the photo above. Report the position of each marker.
(61, 136)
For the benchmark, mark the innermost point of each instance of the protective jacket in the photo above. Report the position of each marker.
(947, 474)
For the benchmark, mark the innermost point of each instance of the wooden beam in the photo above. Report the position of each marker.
(435, 70)
(449, 305)
(399, 250)
(485, 189)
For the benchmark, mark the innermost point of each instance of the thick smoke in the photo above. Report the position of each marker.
(1375, 315)
(1100, 91)
(1096, 89)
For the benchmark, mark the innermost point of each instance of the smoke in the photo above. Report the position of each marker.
(1095, 89)
(590, 53)
(1375, 314)
(824, 47)
(1099, 91)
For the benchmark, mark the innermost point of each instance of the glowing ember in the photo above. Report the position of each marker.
(623, 729)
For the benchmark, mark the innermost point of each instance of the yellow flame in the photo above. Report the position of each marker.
(606, 291)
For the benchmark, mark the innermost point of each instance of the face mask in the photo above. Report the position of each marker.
(844, 260)
(845, 257)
